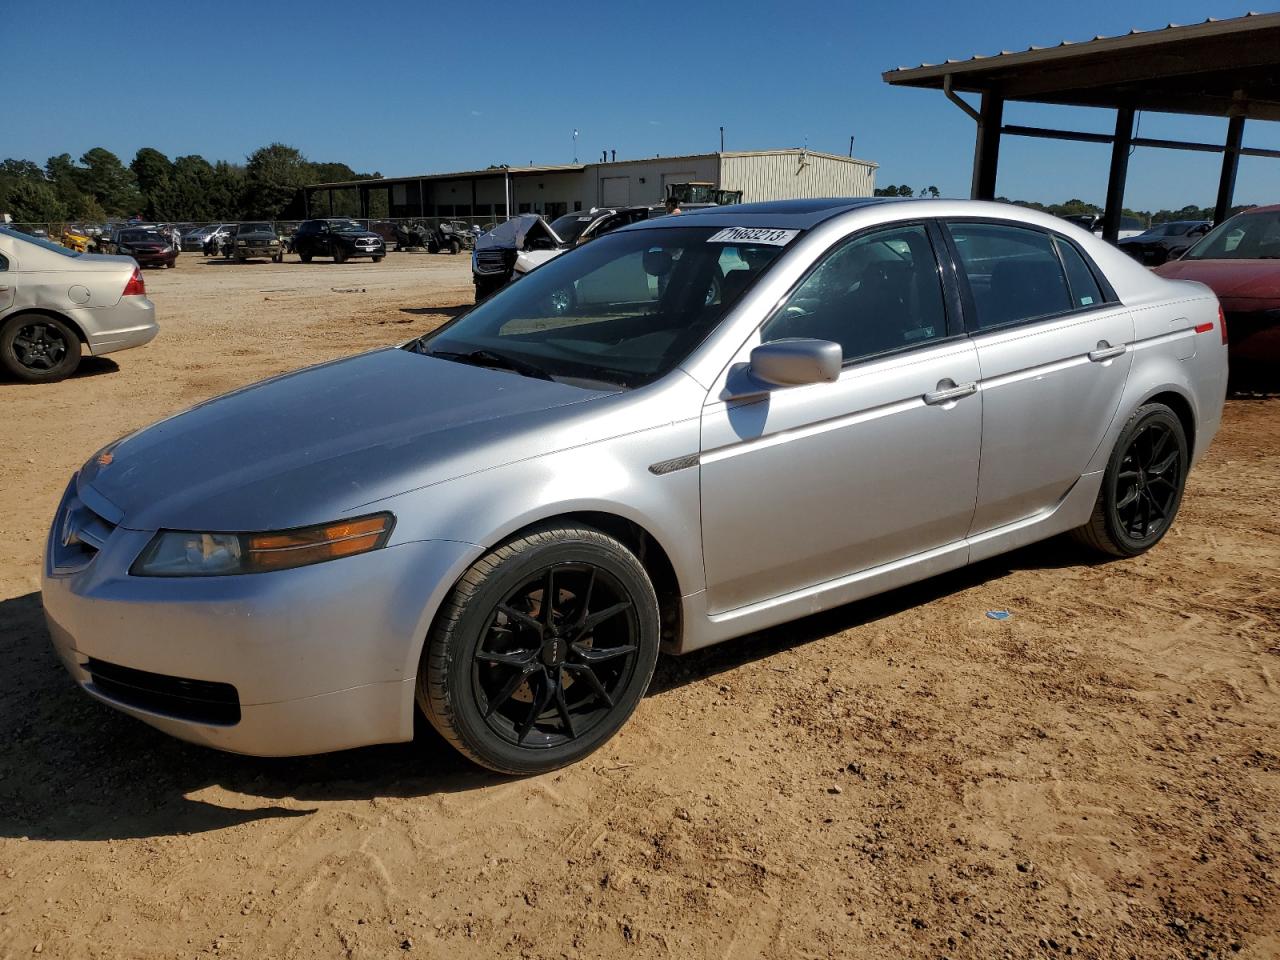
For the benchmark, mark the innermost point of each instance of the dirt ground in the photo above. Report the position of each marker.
(1097, 776)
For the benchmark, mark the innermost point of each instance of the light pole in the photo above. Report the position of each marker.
(575, 144)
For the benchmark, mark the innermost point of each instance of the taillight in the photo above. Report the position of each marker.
(1222, 324)
(135, 287)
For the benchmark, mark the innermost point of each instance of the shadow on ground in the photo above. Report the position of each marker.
(89, 367)
(73, 769)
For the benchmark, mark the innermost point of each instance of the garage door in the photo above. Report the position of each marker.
(615, 191)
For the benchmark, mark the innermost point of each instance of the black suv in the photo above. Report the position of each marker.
(339, 238)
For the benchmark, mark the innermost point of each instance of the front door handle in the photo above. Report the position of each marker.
(948, 390)
(1106, 351)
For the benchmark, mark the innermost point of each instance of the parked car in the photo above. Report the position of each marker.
(57, 304)
(1129, 226)
(511, 250)
(494, 259)
(1165, 241)
(1240, 261)
(147, 245)
(197, 239)
(255, 241)
(754, 414)
(339, 238)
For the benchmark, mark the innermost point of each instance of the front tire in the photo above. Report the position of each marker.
(522, 685)
(1142, 487)
(339, 255)
(39, 348)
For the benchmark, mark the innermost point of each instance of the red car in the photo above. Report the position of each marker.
(148, 247)
(1240, 261)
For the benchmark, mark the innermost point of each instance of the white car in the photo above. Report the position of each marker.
(56, 305)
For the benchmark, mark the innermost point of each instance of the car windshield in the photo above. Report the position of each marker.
(39, 242)
(1246, 236)
(623, 310)
(569, 227)
(254, 228)
(345, 226)
(134, 236)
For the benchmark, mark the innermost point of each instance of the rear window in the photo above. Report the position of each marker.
(1014, 273)
(1085, 291)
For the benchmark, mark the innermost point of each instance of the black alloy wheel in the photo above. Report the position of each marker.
(1143, 484)
(38, 349)
(542, 651)
(555, 654)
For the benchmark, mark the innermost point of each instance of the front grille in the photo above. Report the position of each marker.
(78, 534)
(200, 701)
(495, 261)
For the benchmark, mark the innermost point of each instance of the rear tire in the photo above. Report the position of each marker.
(455, 247)
(1142, 486)
(377, 259)
(521, 686)
(39, 348)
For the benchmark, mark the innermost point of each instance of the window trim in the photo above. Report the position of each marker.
(969, 304)
(953, 320)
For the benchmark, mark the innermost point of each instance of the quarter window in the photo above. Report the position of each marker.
(4, 263)
(1085, 291)
(876, 293)
(1014, 273)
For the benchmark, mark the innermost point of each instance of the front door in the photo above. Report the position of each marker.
(1053, 346)
(812, 483)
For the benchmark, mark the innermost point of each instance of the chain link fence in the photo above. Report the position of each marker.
(79, 234)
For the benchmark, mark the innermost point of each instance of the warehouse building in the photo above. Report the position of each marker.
(486, 195)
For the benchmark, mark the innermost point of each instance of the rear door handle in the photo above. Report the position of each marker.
(1106, 352)
(953, 392)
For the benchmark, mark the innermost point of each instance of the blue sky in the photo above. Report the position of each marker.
(404, 87)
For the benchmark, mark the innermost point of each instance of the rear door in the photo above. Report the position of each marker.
(1054, 351)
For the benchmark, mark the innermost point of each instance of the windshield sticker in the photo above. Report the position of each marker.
(769, 235)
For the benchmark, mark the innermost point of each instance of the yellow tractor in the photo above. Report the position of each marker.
(75, 240)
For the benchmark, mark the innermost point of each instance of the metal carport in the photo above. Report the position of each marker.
(1218, 68)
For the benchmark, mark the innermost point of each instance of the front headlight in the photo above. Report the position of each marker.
(243, 243)
(178, 553)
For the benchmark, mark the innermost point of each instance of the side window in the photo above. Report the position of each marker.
(1014, 273)
(4, 263)
(878, 292)
(1084, 286)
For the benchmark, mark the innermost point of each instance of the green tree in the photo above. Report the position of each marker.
(34, 201)
(272, 178)
(226, 191)
(110, 182)
(192, 180)
(154, 174)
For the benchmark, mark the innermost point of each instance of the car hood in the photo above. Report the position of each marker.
(513, 233)
(356, 234)
(311, 446)
(1230, 279)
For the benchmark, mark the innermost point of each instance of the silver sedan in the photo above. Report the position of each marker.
(56, 304)
(692, 428)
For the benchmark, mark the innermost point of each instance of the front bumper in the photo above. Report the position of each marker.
(258, 252)
(315, 659)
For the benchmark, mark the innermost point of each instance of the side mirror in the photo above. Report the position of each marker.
(792, 363)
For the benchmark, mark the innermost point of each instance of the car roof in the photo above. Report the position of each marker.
(1270, 208)
(784, 214)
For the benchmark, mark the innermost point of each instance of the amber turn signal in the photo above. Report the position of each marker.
(296, 548)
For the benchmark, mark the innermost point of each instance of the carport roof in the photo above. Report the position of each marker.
(1216, 68)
